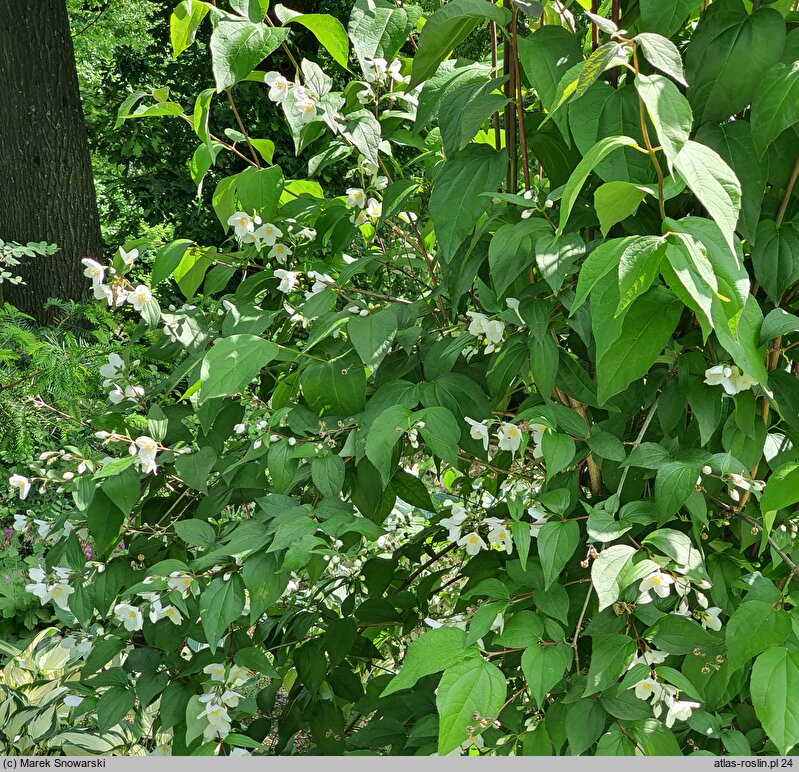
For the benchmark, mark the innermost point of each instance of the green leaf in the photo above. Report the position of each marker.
(373, 335)
(431, 652)
(114, 704)
(384, 433)
(238, 46)
(585, 722)
(678, 635)
(196, 533)
(335, 388)
(578, 177)
(669, 111)
(221, 603)
(456, 203)
(440, 431)
(232, 362)
(775, 258)
(329, 31)
(554, 255)
(600, 60)
(446, 28)
(557, 541)
(559, 450)
(674, 483)
(194, 468)
(464, 110)
(378, 29)
(610, 656)
(259, 190)
(778, 322)
(183, 24)
(546, 56)
(665, 18)
(691, 276)
(616, 201)
(468, 687)
(123, 489)
(362, 129)
(608, 573)
(754, 627)
(726, 36)
(512, 250)
(543, 668)
(327, 473)
(782, 490)
(713, 183)
(775, 106)
(775, 695)
(662, 54)
(676, 545)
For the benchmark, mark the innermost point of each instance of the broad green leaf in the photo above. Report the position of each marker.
(713, 183)
(575, 184)
(691, 276)
(232, 362)
(557, 542)
(585, 722)
(665, 18)
(197, 533)
(775, 106)
(373, 335)
(554, 255)
(512, 250)
(259, 190)
(782, 490)
(543, 668)
(384, 433)
(669, 111)
(676, 545)
(754, 627)
(113, 706)
(362, 129)
(221, 603)
(184, 22)
(194, 468)
(778, 322)
(329, 31)
(327, 473)
(558, 450)
(679, 635)
(744, 349)
(734, 143)
(638, 266)
(440, 431)
(616, 201)
(446, 28)
(546, 56)
(456, 203)
(726, 36)
(775, 258)
(608, 573)
(600, 60)
(335, 388)
(610, 656)
(238, 46)
(468, 687)
(432, 652)
(662, 54)
(674, 483)
(464, 110)
(775, 695)
(377, 29)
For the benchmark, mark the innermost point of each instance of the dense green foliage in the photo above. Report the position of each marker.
(476, 430)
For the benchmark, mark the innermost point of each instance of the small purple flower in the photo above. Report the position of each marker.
(8, 533)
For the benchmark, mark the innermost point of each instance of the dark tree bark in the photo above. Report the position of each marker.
(46, 186)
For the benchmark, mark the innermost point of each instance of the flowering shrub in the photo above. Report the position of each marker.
(489, 450)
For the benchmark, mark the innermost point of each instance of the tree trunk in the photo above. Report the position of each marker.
(46, 185)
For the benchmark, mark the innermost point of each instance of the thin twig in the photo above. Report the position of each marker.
(577, 629)
(241, 127)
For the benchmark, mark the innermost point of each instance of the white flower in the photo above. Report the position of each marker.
(472, 543)
(216, 671)
(358, 218)
(498, 625)
(130, 616)
(539, 519)
(238, 675)
(366, 96)
(43, 528)
(657, 581)
(374, 208)
(288, 280)
(477, 326)
(495, 329)
(536, 435)
(730, 378)
(20, 522)
(453, 524)
(304, 104)
(513, 304)
(128, 258)
(279, 252)
(180, 582)
(147, 449)
(374, 69)
(395, 72)
(321, 283)
(356, 197)
(509, 437)
(240, 428)
(59, 594)
(93, 271)
(710, 618)
(243, 224)
(230, 698)
(743, 381)
(21, 483)
(140, 297)
(648, 688)
(171, 613)
(680, 709)
(116, 395)
(112, 369)
(500, 536)
(478, 430)
(278, 86)
(683, 609)
(267, 235)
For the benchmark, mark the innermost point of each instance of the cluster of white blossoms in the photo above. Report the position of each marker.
(250, 229)
(53, 587)
(290, 279)
(365, 206)
(491, 330)
(131, 616)
(661, 583)
(43, 527)
(115, 377)
(221, 697)
(730, 378)
(509, 435)
(114, 292)
(305, 100)
(661, 694)
(145, 448)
